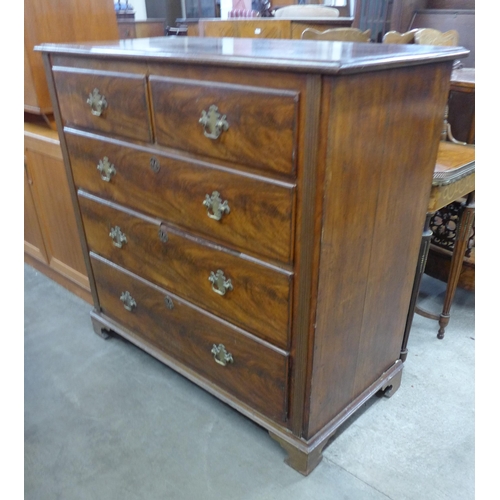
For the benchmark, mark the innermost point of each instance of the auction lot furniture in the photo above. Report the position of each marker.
(239, 201)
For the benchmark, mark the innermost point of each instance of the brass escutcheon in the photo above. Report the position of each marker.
(221, 356)
(162, 233)
(97, 102)
(213, 122)
(106, 169)
(169, 302)
(220, 284)
(216, 207)
(154, 164)
(128, 301)
(117, 236)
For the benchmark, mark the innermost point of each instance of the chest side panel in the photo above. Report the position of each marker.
(382, 142)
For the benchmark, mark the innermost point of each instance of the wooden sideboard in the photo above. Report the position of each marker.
(51, 240)
(462, 105)
(265, 27)
(55, 21)
(240, 221)
(141, 29)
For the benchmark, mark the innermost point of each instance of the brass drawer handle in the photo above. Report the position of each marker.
(220, 284)
(117, 236)
(97, 103)
(216, 207)
(128, 301)
(221, 356)
(106, 169)
(213, 122)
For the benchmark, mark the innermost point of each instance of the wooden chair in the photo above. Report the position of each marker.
(430, 36)
(423, 36)
(337, 35)
(401, 38)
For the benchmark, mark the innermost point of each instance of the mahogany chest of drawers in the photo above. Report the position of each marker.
(251, 211)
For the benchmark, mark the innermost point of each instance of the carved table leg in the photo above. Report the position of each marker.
(422, 260)
(299, 458)
(464, 228)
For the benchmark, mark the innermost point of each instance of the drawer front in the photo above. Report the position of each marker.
(263, 29)
(247, 125)
(257, 374)
(254, 215)
(217, 28)
(114, 103)
(245, 292)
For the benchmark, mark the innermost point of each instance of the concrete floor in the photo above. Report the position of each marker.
(104, 420)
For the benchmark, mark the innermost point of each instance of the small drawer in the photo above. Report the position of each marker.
(104, 101)
(263, 28)
(252, 371)
(247, 125)
(250, 294)
(252, 214)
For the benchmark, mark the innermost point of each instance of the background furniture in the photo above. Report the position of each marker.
(337, 34)
(169, 10)
(200, 8)
(454, 179)
(141, 29)
(461, 118)
(462, 105)
(375, 16)
(51, 240)
(449, 220)
(240, 223)
(461, 20)
(56, 21)
(266, 27)
(430, 36)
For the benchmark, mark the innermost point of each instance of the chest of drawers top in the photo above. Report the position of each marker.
(284, 55)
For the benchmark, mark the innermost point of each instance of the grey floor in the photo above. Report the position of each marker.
(104, 420)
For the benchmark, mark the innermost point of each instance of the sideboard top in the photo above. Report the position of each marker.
(294, 55)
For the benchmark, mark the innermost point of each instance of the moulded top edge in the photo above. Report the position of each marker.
(292, 55)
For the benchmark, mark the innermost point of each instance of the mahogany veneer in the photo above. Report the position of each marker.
(264, 247)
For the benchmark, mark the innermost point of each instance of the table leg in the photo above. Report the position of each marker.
(464, 228)
(422, 260)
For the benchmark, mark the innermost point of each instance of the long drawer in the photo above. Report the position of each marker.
(250, 370)
(104, 101)
(243, 291)
(252, 214)
(247, 125)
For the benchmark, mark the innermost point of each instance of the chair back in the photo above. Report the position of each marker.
(337, 35)
(402, 38)
(430, 36)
